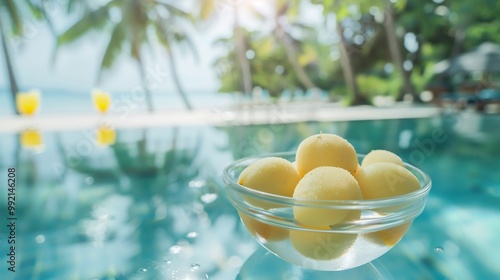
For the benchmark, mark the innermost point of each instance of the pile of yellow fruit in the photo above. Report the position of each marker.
(326, 168)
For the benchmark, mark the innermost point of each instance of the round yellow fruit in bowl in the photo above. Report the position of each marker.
(272, 175)
(262, 231)
(325, 150)
(381, 156)
(383, 180)
(325, 183)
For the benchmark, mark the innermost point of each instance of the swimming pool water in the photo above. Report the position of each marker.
(151, 206)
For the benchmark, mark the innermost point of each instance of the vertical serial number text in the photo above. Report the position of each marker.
(11, 219)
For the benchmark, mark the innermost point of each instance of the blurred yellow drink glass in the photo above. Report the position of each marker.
(28, 102)
(101, 100)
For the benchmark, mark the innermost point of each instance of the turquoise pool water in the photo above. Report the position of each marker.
(151, 206)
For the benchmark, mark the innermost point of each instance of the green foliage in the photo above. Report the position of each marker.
(276, 52)
(373, 85)
(114, 46)
(340, 92)
(13, 16)
(96, 19)
(136, 17)
(271, 69)
(422, 77)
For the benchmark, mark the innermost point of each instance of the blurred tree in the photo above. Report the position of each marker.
(284, 10)
(395, 49)
(433, 40)
(12, 14)
(272, 67)
(357, 17)
(268, 63)
(208, 9)
(131, 23)
(227, 67)
(276, 60)
(340, 10)
(443, 30)
(471, 22)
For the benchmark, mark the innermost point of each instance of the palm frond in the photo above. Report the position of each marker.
(168, 32)
(39, 12)
(14, 17)
(174, 10)
(71, 5)
(96, 19)
(223, 41)
(114, 47)
(303, 27)
(192, 47)
(34, 9)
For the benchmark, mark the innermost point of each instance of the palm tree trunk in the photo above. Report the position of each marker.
(347, 68)
(459, 40)
(396, 55)
(173, 72)
(241, 54)
(286, 42)
(142, 72)
(10, 70)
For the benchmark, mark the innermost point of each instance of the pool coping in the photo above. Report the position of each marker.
(244, 115)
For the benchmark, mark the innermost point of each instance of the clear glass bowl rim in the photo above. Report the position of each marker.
(232, 184)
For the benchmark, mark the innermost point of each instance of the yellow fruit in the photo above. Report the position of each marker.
(321, 245)
(262, 231)
(272, 175)
(391, 236)
(325, 150)
(381, 156)
(325, 183)
(385, 179)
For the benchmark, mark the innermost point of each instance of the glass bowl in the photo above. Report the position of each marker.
(370, 229)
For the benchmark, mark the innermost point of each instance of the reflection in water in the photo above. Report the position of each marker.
(263, 265)
(86, 156)
(31, 139)
(105, 135)
(251, 140)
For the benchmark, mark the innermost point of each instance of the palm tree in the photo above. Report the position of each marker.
(339, 9)
(8, 64)
(288, 43)
(241, 50)
(397, 56)
(129, 22)
(207, 10)
(12, 11)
